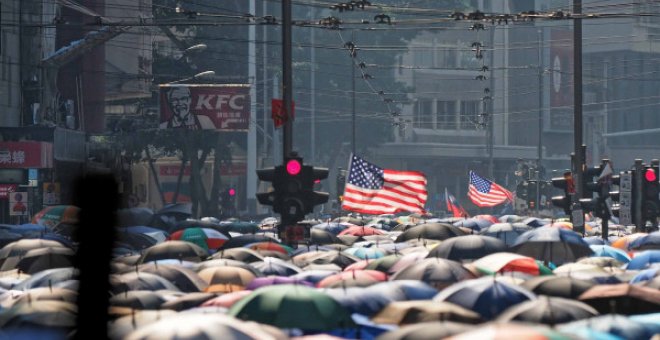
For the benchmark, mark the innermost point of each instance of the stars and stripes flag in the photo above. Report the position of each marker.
(485, 193)
(372, 190)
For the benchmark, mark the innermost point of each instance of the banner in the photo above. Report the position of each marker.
(561, 93)
(205, 106)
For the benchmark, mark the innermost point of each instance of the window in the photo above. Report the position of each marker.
(445, 56)
(445, 115)
(422, 114)
(470, 110)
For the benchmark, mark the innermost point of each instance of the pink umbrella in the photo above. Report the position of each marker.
(227, 300)
(361, 231)
(407, 260)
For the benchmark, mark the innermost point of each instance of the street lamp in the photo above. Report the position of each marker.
(205, 74)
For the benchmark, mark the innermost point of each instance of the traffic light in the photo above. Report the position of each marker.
(293, 193)
(567, 185)
(521, 190)
(596, 189)
(650, 191)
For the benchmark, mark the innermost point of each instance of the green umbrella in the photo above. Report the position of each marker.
(292, 306)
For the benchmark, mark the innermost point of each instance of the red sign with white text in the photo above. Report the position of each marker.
(205, 106)
(22, 155)
(6, 189)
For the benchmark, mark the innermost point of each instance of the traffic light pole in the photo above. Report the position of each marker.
(287, 80)
(637, 191)
(577, 98)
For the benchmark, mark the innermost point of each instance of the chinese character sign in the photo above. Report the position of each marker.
(36, 155)
(197, 107)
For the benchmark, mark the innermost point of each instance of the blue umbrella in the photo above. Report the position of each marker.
(646, 275)
(652, 321)
(644, 259)
(507, 232)
(371, 300)
(365, 252)
(614, 324)
(534, 222)
(552, 244)
(487, 296)
(607, 251)
(28, 228)
(596, 240)
(650, 241)
(332, 227)
(476, 224)
(313, 276)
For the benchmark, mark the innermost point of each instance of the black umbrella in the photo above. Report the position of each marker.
(183, 278)
(135, 241)
(177, 250)
(548, 310)
(240, 241)
(319, 236)
(138, 299)
(49, 278)
(139, 281)
(37, 260)
(434, 231)
(427, 331)
(559, 286)
(21, 247)
(468, 247)
(437, 272)
(239, 254)
(552, 244)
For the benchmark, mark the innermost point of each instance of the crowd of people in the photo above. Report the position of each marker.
(352, 277)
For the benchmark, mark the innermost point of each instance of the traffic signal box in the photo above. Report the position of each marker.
(650, 190)
(593, 195)
(293, 194)
(566, 184)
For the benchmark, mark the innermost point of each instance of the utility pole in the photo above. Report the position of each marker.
(577, 99)
(540, 132)
(287, 80)
(312, 84)
(353, 92)
(252, 125)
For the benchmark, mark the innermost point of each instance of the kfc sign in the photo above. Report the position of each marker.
(205, 106)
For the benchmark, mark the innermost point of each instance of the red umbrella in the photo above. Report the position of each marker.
(354, 278)
(361, 231)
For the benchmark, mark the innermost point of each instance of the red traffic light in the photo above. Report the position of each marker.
(293, 167)
(650, 175)
(232, 192)
(317, 181)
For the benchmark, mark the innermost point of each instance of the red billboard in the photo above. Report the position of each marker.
(223, 107)
(561, 89)
(23, 155)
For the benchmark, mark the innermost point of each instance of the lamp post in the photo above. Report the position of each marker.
(205, 74)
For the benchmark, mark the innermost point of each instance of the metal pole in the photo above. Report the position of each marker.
(312, 81)
(287, 81)
(353, 92)
(251, 186)
(637, 195)
(266, 102)
(540, 64)
(577, 97)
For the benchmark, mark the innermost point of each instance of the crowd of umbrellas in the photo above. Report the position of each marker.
(358, 277)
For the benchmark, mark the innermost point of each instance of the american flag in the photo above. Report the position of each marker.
(373, 190)
(485, 193)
